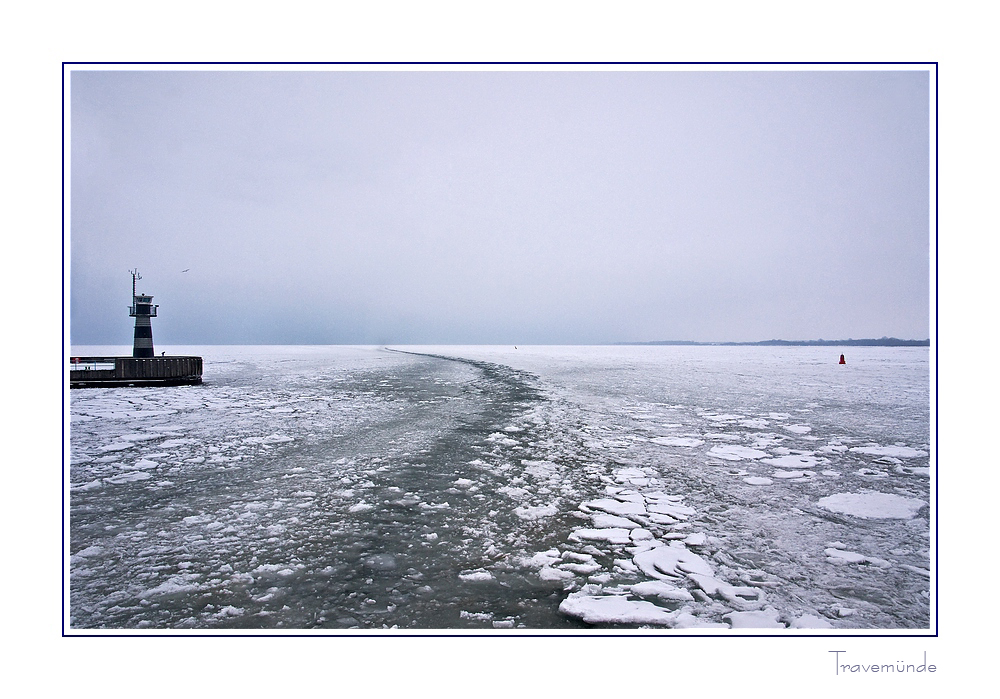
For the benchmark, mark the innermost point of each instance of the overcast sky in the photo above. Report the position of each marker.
(500, 207)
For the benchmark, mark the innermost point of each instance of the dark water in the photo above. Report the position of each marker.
(270, 540)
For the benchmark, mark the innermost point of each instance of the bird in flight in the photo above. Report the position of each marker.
(185, 270)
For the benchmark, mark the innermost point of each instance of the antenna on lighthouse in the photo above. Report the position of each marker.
(135, 275)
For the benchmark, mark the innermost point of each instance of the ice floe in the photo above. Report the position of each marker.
(612, 536)
(674, 510)
(678, 441)
(736, 453)
(872, 505)
(177, 585)
(740, 596)
(538, 512)
(840, 556)
(551, 574)
(793, 474)
(615, 609)
(764, 619)
(475, 576)
(89, 552)
(615, 507)
(605, 521)
(515, 492)
(269, 439)
(810, 621)
(116, 446)
(500, 438)
(129, 477)
(721, 419)
(671, 561)
(793, 461)
(661, 590)
(894, 451)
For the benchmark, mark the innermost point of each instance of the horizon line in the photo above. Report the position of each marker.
(873, 342)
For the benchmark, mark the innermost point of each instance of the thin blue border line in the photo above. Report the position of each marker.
(937, 360)
(504, 63)
(62, 355)
(474, 634)
(165, 634)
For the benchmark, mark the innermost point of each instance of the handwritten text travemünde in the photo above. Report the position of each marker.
(899, 667)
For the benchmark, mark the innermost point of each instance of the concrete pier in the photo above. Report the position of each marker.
(92, 372)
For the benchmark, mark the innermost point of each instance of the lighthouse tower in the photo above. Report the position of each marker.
(143, 368)
(142, 309)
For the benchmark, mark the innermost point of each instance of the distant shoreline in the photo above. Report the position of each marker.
(882, 342)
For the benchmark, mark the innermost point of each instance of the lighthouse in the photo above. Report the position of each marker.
(142, 309)
(143, 368)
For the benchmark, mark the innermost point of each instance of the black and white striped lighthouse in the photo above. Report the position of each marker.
(143, 368)
(142, 309)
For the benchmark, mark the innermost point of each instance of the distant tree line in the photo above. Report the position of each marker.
(881, 342)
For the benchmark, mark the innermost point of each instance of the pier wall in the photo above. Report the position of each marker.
(125, 371)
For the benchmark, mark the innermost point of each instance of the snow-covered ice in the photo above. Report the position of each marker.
(767, 619)
(492, 488)
(735, 452)
(678, 441)
(793, 461)
(615, 609)
(901, 451)
(872, 505)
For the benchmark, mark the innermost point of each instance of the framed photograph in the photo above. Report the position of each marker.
(500, 349)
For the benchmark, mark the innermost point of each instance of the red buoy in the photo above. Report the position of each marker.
(842, 360)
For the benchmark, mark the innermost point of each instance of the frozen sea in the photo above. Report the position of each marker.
(485, 488)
